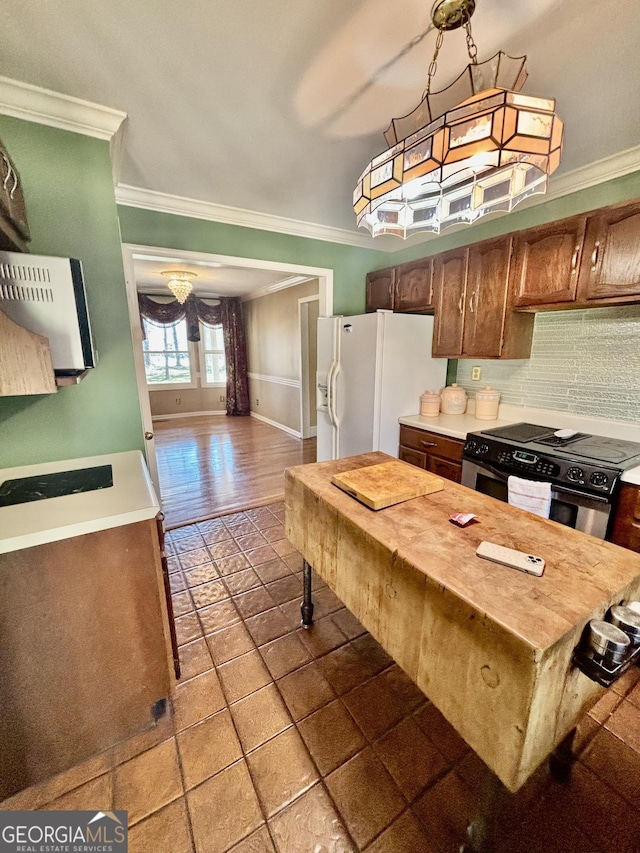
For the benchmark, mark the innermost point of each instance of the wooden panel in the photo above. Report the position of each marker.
(611, 260)
(25, 361)
(626, 522)
(413, 457)
(431, 442)
(380, 486)
(546, 262)
(486, 298)
(380, 290)
(84, 651)
(489, 646)
(449, 288)
(445, 468)
(414, 286)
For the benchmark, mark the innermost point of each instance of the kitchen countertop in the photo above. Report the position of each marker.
(457, 426)
(490, 646)
(130, 499)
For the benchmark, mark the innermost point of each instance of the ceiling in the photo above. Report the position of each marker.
(276, 107)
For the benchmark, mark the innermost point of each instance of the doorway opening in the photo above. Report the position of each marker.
(247, 278)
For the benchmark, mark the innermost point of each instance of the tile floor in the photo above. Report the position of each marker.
(281, 740)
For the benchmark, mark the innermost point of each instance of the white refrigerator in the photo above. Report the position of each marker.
(372, 369)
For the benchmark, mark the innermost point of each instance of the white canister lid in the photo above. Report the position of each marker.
(488, 393)
(430, 396)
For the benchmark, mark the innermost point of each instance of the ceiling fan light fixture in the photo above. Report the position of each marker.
(474, 148)
(179, 283)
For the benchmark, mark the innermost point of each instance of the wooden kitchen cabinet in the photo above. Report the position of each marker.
(546, 262)
(626, 522)
(449, 289)
(431, 451)
(413, 287)
(473, 316)
(380, 290)
(14, 228)
(85, 649)
(581, 262)
(610, 266)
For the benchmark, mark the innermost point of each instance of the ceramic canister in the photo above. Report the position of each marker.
(453, 400)
(487, 401)
(430, 404)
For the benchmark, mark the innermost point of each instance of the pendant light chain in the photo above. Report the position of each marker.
(472, 50)
(434, 63)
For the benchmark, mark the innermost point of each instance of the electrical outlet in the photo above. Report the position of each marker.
(257, 402)
(223, 399)
(476, 373)
(177, 401)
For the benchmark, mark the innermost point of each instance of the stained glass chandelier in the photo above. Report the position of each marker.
(474, 148)
(180, 283)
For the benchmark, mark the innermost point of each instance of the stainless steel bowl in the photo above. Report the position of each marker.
(608, 641)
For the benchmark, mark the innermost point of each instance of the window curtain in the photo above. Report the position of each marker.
(228, 314)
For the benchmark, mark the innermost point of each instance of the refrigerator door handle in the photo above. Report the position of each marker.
(333, 410)
(329, 390)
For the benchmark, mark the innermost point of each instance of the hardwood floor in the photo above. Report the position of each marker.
(211, 465)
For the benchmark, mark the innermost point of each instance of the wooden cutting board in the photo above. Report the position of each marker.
(388, 483)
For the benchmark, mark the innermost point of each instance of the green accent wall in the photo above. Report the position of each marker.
(349, 264)
(71, 207)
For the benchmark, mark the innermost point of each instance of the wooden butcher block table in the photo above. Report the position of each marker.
(491, 647)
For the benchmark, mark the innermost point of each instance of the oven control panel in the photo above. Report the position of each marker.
(507, 458)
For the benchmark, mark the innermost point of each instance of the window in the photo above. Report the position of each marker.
(214, 367)
(167, 359)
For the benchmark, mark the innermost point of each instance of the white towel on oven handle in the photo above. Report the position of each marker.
(531, 495)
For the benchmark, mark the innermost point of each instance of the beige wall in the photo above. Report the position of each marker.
(187, 400)
(273, 352)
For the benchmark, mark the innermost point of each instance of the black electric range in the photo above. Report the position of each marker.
(591, 464)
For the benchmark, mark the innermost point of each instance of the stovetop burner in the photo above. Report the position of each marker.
(521, 432)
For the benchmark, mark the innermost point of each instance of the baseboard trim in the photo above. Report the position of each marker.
(293, 432)
(185, 415)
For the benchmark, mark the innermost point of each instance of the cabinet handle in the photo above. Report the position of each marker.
(594, 255)
(429, 443)
(460, 304)
(9, 170)
(473, 301)
(15, 183)
(574, 258)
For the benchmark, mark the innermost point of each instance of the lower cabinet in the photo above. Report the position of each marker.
(626, 522)
(86, 658)
(431, 451)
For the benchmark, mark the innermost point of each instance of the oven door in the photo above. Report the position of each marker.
(582, 512)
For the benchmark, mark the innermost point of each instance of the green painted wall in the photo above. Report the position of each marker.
(350, 264)
(72, 213)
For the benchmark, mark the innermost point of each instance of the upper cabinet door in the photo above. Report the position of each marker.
(414, 286)
(546, 262)
(380, 290)
(449, 289)
(611, 259)
(486, 298)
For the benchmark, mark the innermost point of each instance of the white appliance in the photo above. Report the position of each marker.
(372, 369)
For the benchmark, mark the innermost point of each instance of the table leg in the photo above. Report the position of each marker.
(306, 608)
(562, 758)
(477, 831)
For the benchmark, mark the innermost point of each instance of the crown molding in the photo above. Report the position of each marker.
(43, 106)
(618, 165)
(180, 206)
(278, 285)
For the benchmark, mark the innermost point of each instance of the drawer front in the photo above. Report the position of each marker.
(413, 457)
(445, 468)
(431, 442)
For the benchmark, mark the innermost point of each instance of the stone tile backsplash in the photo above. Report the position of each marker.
(587, 362)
